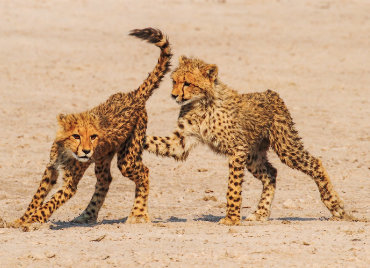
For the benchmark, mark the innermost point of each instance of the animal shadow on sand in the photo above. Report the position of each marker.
(212, 218)
(60, 225)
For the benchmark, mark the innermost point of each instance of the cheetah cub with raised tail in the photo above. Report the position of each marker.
(242, 127)
(116, 126)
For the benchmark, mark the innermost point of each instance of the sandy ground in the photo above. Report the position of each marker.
(68, 56)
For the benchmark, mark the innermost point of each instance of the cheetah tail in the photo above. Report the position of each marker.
(156, 37)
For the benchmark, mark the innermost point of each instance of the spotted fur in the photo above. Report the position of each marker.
(242, 127)
(116, 126)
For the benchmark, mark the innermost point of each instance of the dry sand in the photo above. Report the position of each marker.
(68, 56)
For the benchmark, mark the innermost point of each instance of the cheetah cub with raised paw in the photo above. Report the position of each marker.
(242, 127)
(116, 126)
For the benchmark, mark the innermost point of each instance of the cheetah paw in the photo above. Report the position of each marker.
(228, 221)
(256, 217)
(346, 217)
(15, 224)
(3, 224)
(84, 219)
(132, 219)
(26, 226)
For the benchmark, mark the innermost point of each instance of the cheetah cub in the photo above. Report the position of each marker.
(116, 126)
(242, 127)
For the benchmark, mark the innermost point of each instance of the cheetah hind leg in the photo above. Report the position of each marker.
(130, 164)
(293, 154)
(139, 212)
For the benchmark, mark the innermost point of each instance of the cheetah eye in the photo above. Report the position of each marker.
(186, 84)
(93, 137)
(76, 136)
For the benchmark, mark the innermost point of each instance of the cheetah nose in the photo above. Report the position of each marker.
(174, 96)
(86, 151)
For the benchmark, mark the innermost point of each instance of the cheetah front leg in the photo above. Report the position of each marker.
(177, 145)
(104, 179)
(47, 182)
(262, 169)
(72, 175)
(234, 192)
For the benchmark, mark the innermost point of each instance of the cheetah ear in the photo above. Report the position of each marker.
(62, 120)
(182, 59)
(211, 71)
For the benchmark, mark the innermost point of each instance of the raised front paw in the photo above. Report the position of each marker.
(84, 218)
(257, 217)
(144, 218)
(230, 221)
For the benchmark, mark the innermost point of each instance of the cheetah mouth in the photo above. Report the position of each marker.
(184, 102)
(187, 101)
(84, 158)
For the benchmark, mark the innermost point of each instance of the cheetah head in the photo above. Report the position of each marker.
(79, 135)
(193, 80)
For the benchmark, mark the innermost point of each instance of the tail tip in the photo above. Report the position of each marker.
(154, 36)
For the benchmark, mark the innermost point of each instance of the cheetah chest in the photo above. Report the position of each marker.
(216, 130)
